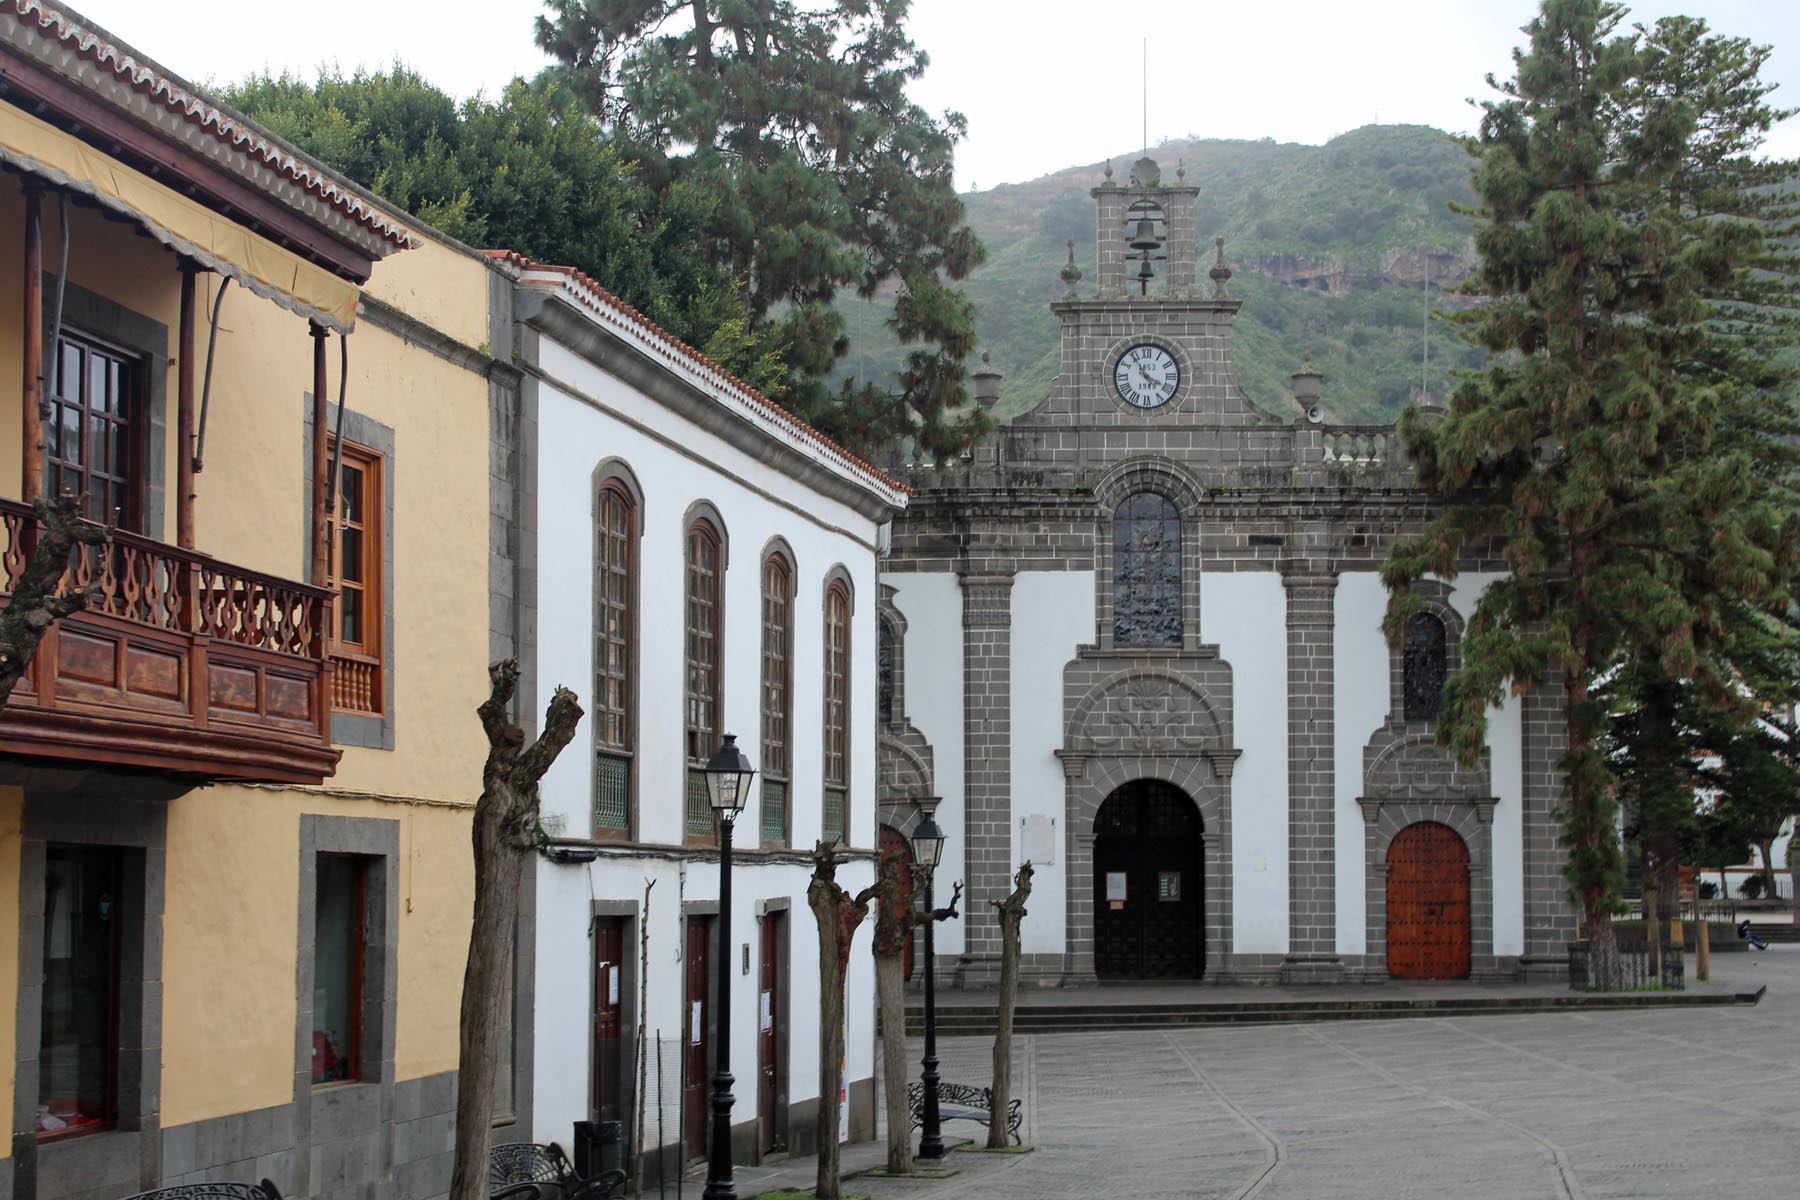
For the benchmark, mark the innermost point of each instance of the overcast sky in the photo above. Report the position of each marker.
(1045, 84)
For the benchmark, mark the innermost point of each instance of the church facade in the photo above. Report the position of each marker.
(1136, 639)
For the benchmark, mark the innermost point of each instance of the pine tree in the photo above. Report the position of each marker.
(826, 178)
(1587, 451)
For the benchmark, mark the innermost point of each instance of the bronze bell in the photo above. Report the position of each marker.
(1145, 272)
(1145, 238)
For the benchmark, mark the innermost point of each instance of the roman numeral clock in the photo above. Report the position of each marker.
(1147, 376)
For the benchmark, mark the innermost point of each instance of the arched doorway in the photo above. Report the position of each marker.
(894, 842)
(1428, 903)
(1149, 913)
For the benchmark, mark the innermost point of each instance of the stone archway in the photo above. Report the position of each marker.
(1148, 880)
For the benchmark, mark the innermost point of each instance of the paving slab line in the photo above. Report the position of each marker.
(1074, 1018)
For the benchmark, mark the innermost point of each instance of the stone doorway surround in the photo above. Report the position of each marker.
(1136, 715)
(1472, 819)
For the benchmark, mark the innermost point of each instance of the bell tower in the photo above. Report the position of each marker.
(1144, 234)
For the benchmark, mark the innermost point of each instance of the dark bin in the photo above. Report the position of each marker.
(599, 1146)
(1578, 966)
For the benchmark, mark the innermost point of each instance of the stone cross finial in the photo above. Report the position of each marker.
(1181, 170)
(1108, 171)
(1220, 272)
(1070, 274)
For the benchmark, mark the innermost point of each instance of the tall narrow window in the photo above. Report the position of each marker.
(338, 968)
(837, 711)
(702, 669)
(1146, 572)
(90, 441)
(79, 1045)
(1423, 665)
(884, 674)
(777, 690)
(615, 585)
(356, 571)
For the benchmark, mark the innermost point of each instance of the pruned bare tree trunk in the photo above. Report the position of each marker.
(838, 914)
(1011, 911)
(38, 599)
(893, 920)
(505, 831)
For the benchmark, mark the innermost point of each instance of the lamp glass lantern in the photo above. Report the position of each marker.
(728, 775)
(928, 839)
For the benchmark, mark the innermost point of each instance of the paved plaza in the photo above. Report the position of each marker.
(1660, 1102)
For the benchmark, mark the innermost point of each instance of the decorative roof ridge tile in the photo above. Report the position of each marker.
(731, 382)
(148, 79)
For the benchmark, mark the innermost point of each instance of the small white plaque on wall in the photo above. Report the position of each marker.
(1037, 840)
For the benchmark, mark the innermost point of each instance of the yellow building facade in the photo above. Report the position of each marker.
(234, 791)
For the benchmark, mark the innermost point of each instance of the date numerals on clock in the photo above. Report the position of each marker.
(1147, 376)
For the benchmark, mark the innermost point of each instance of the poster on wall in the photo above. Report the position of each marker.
(844, 1083)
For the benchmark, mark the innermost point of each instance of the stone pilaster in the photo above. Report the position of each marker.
(1312, 825)
(987, 764)
(1549, 918)
(1109, 240)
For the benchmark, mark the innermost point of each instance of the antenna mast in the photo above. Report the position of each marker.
(1145, 72)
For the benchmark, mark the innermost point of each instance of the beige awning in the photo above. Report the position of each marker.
(183, 225)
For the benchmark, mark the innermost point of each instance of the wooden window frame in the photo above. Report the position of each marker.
(703, 647)
(835, 717)
(363, 657)
(133, 372)
(778, 683)
(622, 542)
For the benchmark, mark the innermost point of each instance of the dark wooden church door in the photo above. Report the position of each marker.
(1149, 916)
(1428, 903)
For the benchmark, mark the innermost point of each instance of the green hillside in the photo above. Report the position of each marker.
(1327, 245)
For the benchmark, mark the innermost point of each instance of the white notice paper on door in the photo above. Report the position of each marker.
(1115, 885)
(694, 1024)
(612, 984)
(768, 1011)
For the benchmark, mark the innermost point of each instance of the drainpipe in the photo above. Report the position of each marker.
(184, 414)
(321, 529)
(32, 479)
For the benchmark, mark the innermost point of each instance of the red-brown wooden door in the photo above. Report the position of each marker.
(697, 1017)
(609, 1019)
(892, 842)
(771, 1082)
(1428, 903)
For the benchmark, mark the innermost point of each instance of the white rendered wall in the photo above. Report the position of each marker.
(1245, 614)
(932, 607)
(594, 418)
(1052, 614)
(1506, 767)
(1360, 702)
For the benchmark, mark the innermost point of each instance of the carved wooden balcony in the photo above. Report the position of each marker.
(182, 665)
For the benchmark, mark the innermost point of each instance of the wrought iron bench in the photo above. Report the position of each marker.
(213, 1191)
(514, 1166)
(960, 1102)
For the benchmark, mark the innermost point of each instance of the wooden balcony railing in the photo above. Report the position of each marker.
(180, 663)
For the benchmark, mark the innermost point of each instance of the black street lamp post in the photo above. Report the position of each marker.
(728, 774)
(928, 849)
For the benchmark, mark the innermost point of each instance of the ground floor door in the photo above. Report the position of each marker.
(1149, 912)
(697, 1012)
(610, 1086)
(771, 1069)
(1428, 903)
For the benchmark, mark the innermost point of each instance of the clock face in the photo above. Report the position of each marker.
(1147, 376)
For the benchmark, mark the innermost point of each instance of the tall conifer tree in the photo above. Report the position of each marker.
(795, 117)
(1587, 451)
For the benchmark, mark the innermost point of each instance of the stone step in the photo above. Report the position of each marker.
(967, 1020)
(1777, 931)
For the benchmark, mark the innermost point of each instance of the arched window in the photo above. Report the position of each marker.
(1423, 665)
(1146, 572)
(615, 654)
(884, 673)
(777, 693)
(837, 711)
(703, 636)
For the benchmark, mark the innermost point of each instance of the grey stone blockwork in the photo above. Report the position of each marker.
(1257, 490)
